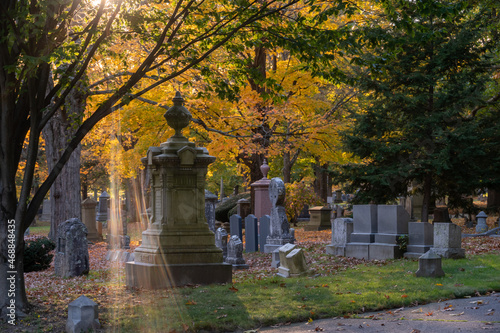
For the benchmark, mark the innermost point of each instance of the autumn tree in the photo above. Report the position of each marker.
(44, 41)
(426, 69)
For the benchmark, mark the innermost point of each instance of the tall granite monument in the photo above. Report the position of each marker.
(178, 247)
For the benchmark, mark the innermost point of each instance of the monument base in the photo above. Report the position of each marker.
(336, 250)
(450, 253)
(358, 250)
(153, 276)
(416, 251)
(381, 251)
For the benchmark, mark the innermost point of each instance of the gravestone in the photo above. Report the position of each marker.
(264, 228)
(292, 264)
(429, 265)
(279, 233)
(251, 234)
(448, 240)
(82, 315)
(89, 219)
(102, 208)
(244, 208)
(261, 203)
(338, 196)
(72, 254)
(339, 211)
(221, 241)
(178, 248)
(392, 223)
(210, 201)
(441, 214)
(420, 239)
(320, 218)
(277, 254)
(341, 235)
(46, 211)
(235, 226)
(364, 229)
(235, 253)
(481, 222)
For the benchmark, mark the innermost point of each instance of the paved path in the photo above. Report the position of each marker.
(475, 314)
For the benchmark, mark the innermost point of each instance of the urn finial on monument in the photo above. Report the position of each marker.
(264, 168)
(178, 117)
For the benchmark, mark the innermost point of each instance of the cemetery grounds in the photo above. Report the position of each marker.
(335, 287)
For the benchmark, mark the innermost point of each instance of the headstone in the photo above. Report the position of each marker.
(251, 234)
(261, 203)
(221, 241)
(441, 214)
(178, 248)
(292, 264)
(72, 254)
(364, 229)
(279, 233)
(264, 228)
(82, 315)
(338, 196)
(341, 235)
(102, 208)
(235, 253)
(281, 252)
(448, 240)
(429, 265)
(481, 222)
(210, 201)
(244, 208)
(392, 223)
(89, 219)
(46, 211)
(420, 239)
(320, 218)
(235, 224)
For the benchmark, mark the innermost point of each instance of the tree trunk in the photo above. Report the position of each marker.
(65, 192)
(321, 181)
(426, 201)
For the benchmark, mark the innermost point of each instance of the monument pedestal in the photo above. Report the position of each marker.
(448, 240)
(320, 219)
(153, 276)
(178, 248)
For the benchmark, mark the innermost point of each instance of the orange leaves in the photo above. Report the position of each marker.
(233, 289)
(191, 302)
(404, 296)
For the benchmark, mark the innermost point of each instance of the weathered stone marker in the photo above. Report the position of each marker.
(221, 241)
(235, 253)
(448, 240)
(89, 219)
(292, 263)
(429, 265)
(481, 222)
(279, 233)
(72, 252)
(82, 315)
(210, 201)
(102, 209)
(178, 247)
(341, 235)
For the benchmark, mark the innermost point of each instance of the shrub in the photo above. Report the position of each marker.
(298, 195)
(36, 254)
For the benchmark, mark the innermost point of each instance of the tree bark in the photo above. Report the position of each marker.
(65, 192)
